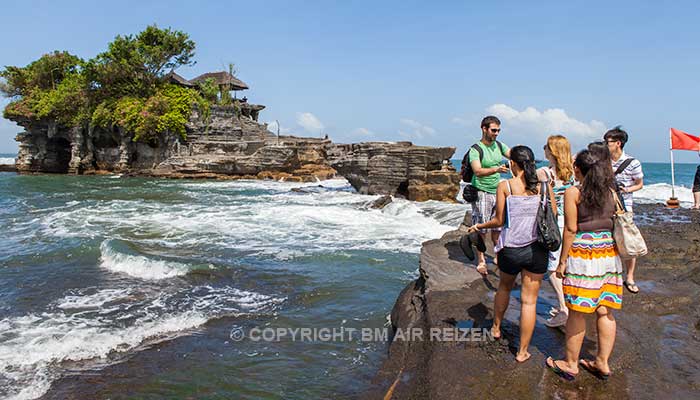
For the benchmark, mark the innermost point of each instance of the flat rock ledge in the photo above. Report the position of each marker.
(658, 331)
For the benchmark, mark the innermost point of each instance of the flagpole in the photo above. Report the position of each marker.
(673, 201)
(673, 174)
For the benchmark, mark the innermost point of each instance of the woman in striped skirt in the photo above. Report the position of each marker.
(592, 272)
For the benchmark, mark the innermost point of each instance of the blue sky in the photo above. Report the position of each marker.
(419, 71)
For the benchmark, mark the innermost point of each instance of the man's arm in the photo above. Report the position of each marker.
(637, 175)
(480, 172)
(638, 184)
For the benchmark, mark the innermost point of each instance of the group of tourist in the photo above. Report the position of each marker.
(586, 271)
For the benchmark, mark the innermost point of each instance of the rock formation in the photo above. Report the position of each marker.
(231, 144)
(655, 353)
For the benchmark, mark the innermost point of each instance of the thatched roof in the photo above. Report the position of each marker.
(172, 77)
(222, 78)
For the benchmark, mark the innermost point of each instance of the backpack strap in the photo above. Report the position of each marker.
(500, 147)
(479, 150)
(624, 165)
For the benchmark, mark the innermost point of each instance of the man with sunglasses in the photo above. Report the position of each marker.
(487, 165)
(630, 178)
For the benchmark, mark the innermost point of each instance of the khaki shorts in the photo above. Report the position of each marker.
(484, 209)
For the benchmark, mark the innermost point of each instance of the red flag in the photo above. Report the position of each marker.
(683, 141)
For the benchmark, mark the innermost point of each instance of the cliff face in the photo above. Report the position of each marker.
(226, 146)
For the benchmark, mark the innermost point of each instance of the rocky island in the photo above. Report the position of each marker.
(80, 117)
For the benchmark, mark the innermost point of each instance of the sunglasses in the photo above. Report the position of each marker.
(494, 130)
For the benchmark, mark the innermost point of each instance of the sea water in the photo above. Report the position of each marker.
(138, 284)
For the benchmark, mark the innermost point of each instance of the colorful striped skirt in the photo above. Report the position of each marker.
(593, 273)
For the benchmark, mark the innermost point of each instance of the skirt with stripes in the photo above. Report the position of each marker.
(594, 273)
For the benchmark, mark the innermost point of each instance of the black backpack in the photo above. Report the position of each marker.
(467, 172)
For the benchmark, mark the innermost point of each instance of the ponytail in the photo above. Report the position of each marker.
(525, 158)
(531, 180)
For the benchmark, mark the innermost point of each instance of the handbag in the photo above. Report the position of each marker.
(470, 193)
(628, 239)
(548, 234)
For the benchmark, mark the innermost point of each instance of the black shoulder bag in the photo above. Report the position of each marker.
(548, 234)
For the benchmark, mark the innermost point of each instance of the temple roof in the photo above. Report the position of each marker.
(222, 78)
(177, 79)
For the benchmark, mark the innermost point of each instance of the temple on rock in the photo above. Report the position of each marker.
(228, 142)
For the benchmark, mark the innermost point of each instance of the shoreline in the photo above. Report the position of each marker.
(654, 356)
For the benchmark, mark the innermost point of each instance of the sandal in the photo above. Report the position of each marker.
(631, 286)
(552, 365)
(481, 268)
(593, 369)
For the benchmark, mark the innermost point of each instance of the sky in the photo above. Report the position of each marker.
(420, 71)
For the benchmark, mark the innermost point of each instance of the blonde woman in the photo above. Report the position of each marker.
(560, 175)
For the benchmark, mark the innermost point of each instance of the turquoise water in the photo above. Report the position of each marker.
(127, 287)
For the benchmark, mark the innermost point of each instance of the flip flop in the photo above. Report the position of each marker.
(632, 287)
(586, 364)
(554, 368)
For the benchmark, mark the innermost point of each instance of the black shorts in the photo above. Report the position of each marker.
(533, 258)
(696, 184)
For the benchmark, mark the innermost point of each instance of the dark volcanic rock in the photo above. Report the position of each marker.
(381, 202)
(400, 169)
(656, 353)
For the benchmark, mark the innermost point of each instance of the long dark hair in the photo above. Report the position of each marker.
(598, 179)
(525, 158)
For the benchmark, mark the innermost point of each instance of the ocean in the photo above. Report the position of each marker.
(117, 287)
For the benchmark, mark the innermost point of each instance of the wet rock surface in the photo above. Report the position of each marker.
(657, 348)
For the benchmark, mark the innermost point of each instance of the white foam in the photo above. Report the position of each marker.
(95, 300)
(32, 347)
(276, 222)
(139, 266)
(660, 192)
(7, 160)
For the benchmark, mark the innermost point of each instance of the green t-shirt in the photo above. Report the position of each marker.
(492, 158)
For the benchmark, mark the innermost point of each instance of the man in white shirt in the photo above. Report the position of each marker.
(630, 178)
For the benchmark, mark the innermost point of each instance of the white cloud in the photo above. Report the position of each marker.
(309, 122)
(362, 132)
(417, 130)
(272, 127)
(530, 125)
(460, 121)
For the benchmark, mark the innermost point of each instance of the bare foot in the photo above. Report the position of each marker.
(496, 333)
(481, 268)
(522, 357)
